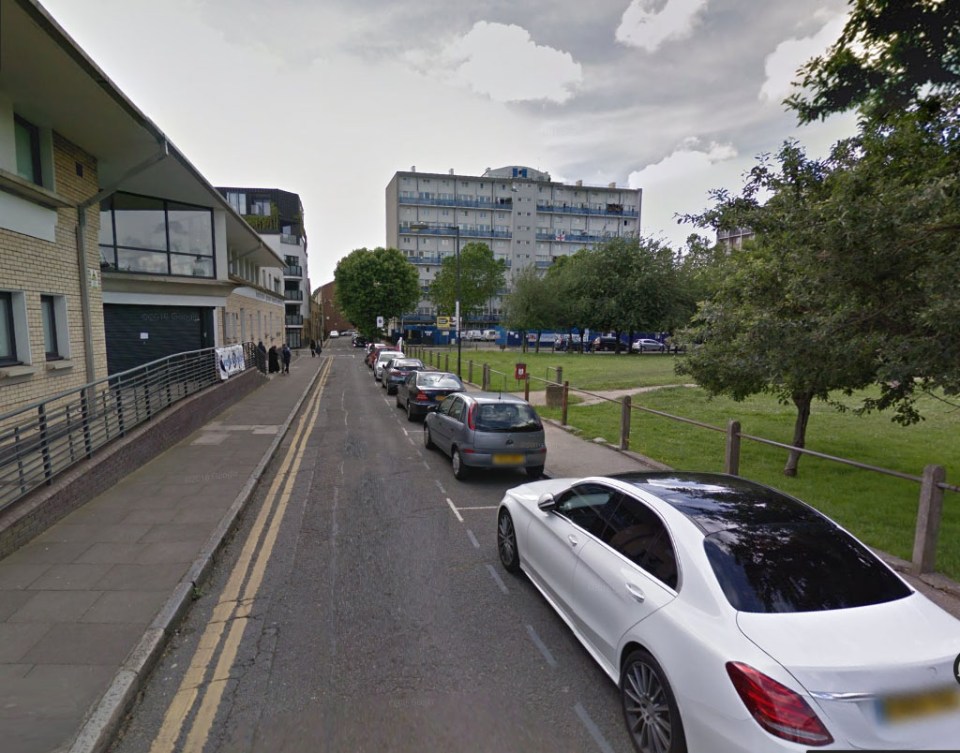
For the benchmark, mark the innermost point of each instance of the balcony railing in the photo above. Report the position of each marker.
(293, 270)
(295, 320)
(42, 440)
(605, 212)
(293, 295)
(465, 232)
(291, 240)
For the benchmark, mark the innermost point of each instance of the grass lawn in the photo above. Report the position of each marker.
(588, 371)
(879, 509)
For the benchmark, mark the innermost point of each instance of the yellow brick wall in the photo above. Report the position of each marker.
(257, 321)
(36, 267)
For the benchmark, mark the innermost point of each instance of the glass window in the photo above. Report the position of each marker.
(8, 342)
(191, 266)
(106, 225)
(808, 565)
(584, 506)
(48, 315)
(27, 144)
(191, 230)
(507, 417)
(140, 222)
(637, 532)
(150, 262)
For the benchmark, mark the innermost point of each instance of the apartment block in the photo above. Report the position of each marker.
(525, 218)
(277, 216)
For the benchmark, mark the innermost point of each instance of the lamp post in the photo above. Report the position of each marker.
(418, 226)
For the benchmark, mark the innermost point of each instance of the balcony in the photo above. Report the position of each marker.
(610, 210)
(293, 270)
(290, 240)
(447, 230)
(293, 295)
(295, 320)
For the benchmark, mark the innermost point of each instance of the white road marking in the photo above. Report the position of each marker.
(485, 507)
(455, 510)
(442, 490)
(592, 728)
(473, 539)
(404, 430)
(497, 579)
(541, 645)
(426, 465)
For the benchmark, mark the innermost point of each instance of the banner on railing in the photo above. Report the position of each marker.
(230, 361)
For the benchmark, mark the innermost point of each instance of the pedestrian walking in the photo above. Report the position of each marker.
(261, 356)
(313, 348)
(285, 354)
(273, 356)
(400, 343)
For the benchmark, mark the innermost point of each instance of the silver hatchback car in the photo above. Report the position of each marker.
(487, 430)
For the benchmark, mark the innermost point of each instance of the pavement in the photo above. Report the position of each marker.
(86, 608)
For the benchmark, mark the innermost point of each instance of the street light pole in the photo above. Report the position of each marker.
(459, 321)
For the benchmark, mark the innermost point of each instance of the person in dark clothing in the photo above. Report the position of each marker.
(285, 355)
(274, 358)
(261, 356)
(313, 348)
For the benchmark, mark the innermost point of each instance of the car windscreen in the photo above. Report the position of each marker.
(439, 381)
(809, 566)
(407, 364)
(506, 417)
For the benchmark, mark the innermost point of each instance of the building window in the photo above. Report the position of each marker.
(237, 200)
(48, 315)
(152, 236)
(8, 338)
(27, 140)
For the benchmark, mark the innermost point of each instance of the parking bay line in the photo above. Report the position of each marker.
(592, 728)
(541, 646)
(481, 507)
(497, 579)
(473, 539)
(455, 510)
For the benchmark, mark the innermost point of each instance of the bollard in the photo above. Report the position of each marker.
(625, 423)
(446, 362)
(564, 404)
(470, 371)
(731, 458)
(486, 378)
(560, 373)
(928, 520)
(526, 388)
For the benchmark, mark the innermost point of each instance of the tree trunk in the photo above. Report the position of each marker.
(802, 400)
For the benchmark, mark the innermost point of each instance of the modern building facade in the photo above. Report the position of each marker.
(525, 218)
(278, 217)
(114, 249)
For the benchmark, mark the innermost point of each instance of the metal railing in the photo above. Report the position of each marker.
(41, 440)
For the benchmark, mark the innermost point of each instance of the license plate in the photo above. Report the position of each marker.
(905, 708)
(508, 459)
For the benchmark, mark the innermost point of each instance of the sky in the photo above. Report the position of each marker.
(329, 98)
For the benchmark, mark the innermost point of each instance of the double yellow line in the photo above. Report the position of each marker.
(234, 607)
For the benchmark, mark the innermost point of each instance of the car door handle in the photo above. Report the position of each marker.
(574, 541)
(636, 592)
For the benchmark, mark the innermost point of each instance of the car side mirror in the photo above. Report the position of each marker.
(546, 501)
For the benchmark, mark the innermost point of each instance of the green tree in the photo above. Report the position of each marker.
(375, 283)
(532, 305)
(892, 54)
(481, 278)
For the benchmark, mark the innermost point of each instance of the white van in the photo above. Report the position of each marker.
(490, 335)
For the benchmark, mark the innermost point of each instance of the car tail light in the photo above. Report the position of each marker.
(776, 708)
(471, 423)
(422, 396)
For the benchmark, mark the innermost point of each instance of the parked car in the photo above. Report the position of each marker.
(423, 391)
(489, 335)
(373, 350)
(396, 370)
(334, 334)
(645, 344)
(383, 356)
(605, 342)
(734, 618)
(487, 430)
(473, 334)
(359, 341)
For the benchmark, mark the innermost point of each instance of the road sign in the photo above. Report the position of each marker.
(379, 322)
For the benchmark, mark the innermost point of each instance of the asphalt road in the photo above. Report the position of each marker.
(362, 607)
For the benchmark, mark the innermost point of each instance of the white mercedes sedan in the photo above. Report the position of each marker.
(734, 618)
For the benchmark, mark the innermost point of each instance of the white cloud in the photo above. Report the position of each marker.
(782, 64)
(642, 27)
(679, 184)
(504, 63)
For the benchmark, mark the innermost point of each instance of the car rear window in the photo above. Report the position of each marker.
(407, 364)
(440, 381)
(807, 566)
(507, 417)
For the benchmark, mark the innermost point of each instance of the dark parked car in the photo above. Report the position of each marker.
(422, 391)
(397, 370)
(487, 430)
(605, 342)
(359, 341)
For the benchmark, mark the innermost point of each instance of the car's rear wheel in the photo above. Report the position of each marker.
(535, 471)
(411, 416)
(649, 707)
(460, 471)
(507, 543)
(427, 440)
